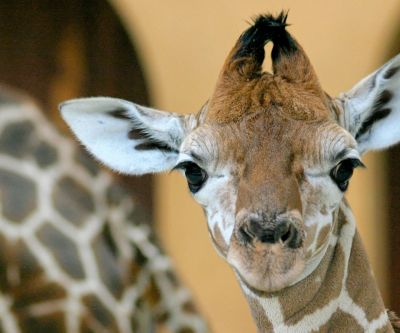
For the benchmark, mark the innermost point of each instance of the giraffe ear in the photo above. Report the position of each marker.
(126, 137)
(371, 109)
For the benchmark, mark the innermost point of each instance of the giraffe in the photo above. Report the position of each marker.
(76, 253)
(269, 158)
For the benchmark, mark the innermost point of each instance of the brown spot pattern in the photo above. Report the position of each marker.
(115, 193)
(366, 298)
(16, 139)
(109, 270)
(18, 196)
(341, 322)
(331, 270)
(28, 266)
(36, 290)
(99, 313)
(16, 257)
(54, 323)
(259, 315)
(72, 200)
(63, 249)
(45, 154)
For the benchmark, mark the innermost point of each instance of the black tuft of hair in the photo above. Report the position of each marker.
(266, 28)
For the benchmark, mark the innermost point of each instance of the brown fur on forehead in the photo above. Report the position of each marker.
(269, 137)
(268, 94)
(274, 138)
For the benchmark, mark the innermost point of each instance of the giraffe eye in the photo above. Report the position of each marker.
(195, 175)
(343, 171)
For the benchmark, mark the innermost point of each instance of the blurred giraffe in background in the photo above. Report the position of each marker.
(76, 254)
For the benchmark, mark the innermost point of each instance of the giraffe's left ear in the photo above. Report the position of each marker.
(370, 111)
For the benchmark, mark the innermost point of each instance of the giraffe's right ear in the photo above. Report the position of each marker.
(126, 137)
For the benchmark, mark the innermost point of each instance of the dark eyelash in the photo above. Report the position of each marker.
(195, 175)
(181, 166)
(343, 171)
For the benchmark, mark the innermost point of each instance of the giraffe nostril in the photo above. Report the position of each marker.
(283, 232)
(286, 236)
(291, 237)
(245, 234)
(261, 230)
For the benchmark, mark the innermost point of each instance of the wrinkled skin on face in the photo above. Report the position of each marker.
(270, 168)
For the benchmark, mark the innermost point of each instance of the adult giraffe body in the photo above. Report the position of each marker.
(269, 158)
(75, 253)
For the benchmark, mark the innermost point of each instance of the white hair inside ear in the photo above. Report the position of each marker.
(126, 137)
(371, 109)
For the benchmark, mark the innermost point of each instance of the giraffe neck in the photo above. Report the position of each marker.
(340, 295)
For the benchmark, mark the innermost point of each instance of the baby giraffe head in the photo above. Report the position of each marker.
(268, 157)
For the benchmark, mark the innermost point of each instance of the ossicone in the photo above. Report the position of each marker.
(288, 57)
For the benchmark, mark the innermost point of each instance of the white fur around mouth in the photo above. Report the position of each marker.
(269, 281)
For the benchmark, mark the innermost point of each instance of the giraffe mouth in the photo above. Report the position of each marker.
(267, 267)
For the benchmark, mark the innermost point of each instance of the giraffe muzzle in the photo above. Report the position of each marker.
(267, 250)
(284, 232)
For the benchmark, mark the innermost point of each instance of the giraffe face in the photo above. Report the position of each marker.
(268, 184)
(268, 157)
